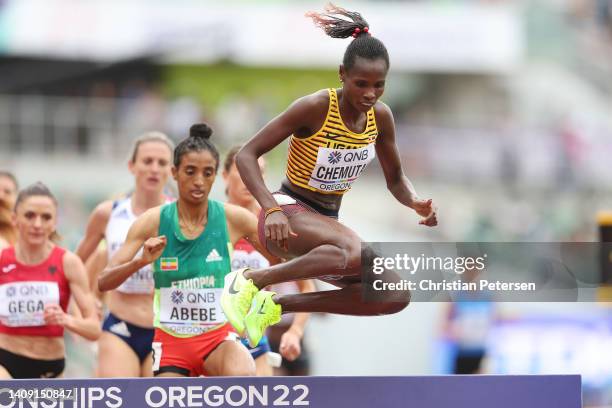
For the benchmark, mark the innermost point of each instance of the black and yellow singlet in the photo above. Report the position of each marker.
(333, 158)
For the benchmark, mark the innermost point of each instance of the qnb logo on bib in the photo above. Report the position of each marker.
(334, 157)
(177, 297)
(24, 302)
(337, 169)
(190, 311)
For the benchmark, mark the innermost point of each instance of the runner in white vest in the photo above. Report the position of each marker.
(125, 345)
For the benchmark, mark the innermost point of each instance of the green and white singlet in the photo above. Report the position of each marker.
(189, 274)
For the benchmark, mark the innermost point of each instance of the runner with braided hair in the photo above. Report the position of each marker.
(333, 135)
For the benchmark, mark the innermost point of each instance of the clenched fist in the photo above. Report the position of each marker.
(290, 347)
(153, 248)
(428, 211)
(55, 315)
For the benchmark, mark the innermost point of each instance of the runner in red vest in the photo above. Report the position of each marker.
(37, 278)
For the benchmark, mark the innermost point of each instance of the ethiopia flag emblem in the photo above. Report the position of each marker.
(168, 264)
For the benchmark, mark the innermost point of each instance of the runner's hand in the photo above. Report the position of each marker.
(55, 315)
(290, 347)
(153, 248)
(427, 210)
(277, 229)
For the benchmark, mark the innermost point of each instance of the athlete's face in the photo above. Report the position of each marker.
(195, 176)
(364, 83)
(8, 191)
(151, 166)
(36, 219)
(237, 192)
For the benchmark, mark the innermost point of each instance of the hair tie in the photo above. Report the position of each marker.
(357, 31)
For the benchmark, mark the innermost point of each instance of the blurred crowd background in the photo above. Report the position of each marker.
(503, 113)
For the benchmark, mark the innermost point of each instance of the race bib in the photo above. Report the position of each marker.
(141, 282)
(190, 311)
(337, 169)
(23, 304)
(248, 259)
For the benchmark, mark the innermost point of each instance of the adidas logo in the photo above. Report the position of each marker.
(213, 256)
(122, 214)
(120, 329)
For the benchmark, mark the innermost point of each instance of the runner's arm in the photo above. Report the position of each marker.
(123, 264)
(94, 267)
(397, 182)
(290, 342)
(304, 116)
(95, 230)
(389, 158)
(87, 324)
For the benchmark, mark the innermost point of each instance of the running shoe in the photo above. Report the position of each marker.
(264, 312)
(236, 299)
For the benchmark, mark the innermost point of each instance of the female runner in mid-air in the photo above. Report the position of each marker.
(334, 134)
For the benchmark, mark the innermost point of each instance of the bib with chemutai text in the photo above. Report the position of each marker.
(337, 169)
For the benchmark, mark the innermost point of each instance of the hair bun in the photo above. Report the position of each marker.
(200, 131)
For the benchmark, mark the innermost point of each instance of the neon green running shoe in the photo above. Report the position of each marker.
(236, 299)
(264, 312)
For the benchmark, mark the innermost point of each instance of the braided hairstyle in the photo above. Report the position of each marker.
(340, 23)
(198, 140)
